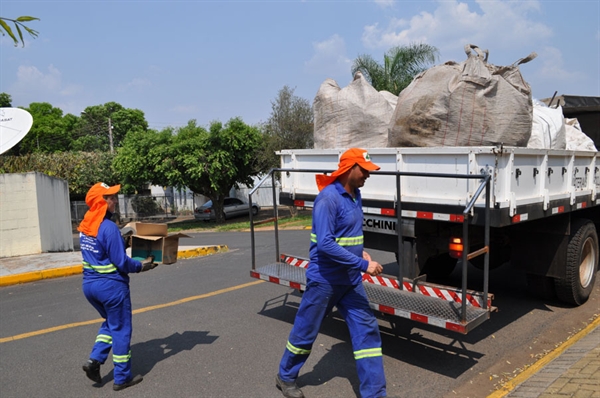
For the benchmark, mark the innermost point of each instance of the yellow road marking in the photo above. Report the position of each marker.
(138, 311)
(537, 366)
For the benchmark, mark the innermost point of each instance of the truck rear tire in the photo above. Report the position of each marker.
(581, 265)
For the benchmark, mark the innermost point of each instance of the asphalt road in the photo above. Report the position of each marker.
(204, 328)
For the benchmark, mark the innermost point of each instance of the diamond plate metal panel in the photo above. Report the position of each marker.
(429, 306)
(284, 271)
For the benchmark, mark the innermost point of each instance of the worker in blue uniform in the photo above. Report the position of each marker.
(106, 285)
(334, 278)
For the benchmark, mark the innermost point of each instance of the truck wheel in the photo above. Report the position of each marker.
(581, 265)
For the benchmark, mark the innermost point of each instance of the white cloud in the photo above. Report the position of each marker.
(384, 3)
(453, 24)
(31, 78)
(553, 65)
(135, 83)
(329, 58)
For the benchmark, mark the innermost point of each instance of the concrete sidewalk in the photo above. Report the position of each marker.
(571, 370)
(22, 269)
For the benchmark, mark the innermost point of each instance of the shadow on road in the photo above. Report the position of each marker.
(147, 354)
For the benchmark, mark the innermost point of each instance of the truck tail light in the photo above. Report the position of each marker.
(456, 247)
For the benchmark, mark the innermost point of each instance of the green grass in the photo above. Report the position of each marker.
(300, 221)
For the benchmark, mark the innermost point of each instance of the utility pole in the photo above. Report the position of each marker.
(110, 137)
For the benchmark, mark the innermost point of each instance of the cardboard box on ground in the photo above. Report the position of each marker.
(153, 239)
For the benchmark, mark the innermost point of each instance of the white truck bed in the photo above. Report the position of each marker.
(551, 180)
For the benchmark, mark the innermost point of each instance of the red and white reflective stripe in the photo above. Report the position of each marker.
(581, 205)
(278, 281)
(457, 327)
(451, 295)
(298, 262)
(520, 217)
(425, 215)
(379, 211)
(387, 282)
(303, 203)
(559, 209)
(428, 215)
(431, 291)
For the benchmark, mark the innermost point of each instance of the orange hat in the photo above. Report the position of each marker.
(95, 200)
(348, 159)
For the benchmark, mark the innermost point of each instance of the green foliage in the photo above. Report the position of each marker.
(99, 122)
(208, 162)
(145, 206)
(49, 132)
(19, 25)
(5, 100)
(290, 126)
(80, 169)
(140, 159)
(400, 66)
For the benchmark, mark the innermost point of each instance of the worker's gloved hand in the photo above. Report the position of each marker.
(148, 263)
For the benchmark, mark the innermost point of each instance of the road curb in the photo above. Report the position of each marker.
(33, 276)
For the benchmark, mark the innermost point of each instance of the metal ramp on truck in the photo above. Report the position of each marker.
(451, 308)
(423, 302)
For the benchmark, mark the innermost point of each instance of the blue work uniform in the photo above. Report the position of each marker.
(106, 286)
(334, 279)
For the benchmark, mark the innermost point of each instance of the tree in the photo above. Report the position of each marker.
(19, 23)
(138, 159)
(5, 100)
(212, 163)
(290, 126)
(99, 124)
(208, 162)
(400, 66)
(48, 132)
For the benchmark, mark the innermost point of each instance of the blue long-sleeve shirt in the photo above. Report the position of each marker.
(336, 245)
(104, 256)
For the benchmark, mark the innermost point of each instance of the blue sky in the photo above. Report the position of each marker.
(214, 60)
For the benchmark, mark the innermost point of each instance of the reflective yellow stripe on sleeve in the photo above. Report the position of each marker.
(344, 241)
(101, 269)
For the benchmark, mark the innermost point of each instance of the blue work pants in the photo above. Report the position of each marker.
(351, 301)
(112, 300)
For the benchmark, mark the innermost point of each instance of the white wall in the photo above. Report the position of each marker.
(34, 214)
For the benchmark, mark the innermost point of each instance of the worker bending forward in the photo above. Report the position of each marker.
(106, 285)
(334, 279)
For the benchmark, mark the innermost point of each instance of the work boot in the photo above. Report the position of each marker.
(135, 380)
(92, 370)
(288, 388)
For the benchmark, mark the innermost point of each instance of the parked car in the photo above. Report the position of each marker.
(232, 207)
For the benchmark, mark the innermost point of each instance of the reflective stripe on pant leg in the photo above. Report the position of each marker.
(366, 341)
(118, 308)
(314, 306)
(94, 293)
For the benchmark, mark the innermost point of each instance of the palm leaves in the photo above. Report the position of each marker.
(400, 66)
(5, 28)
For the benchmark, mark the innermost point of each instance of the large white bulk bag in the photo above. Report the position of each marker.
(354, 116)
(467, 104)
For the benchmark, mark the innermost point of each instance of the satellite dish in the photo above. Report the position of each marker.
(14, 125)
